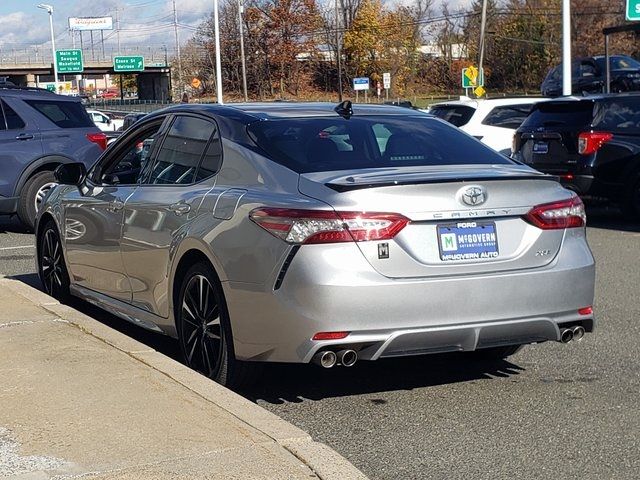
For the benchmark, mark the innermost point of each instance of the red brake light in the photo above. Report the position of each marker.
(98, 138)
(586, 311)
(327, 226)
(553, 216)
(590, 142)
(330, 335)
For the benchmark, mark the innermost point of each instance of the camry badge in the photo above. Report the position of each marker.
(473, 195)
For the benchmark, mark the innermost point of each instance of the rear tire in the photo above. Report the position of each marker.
(497, 353)
(31, 196)
(204, 329)
(52, 269)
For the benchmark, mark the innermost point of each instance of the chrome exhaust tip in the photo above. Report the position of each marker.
(566, 335)
(578, 332)
(347, 358)
(325, 359)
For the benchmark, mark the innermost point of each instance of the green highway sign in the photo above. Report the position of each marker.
(633, 9)
(132, 63)
(472, 78)
(69, 61)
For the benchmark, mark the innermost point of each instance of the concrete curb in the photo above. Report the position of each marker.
(324, 461)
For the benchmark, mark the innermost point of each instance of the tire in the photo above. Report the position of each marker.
(497, 353)
(204, 329)
(31, 196)
(52, 269)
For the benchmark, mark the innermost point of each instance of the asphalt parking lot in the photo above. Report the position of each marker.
(551, 411)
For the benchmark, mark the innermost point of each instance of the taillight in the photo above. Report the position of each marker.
(552, 216)
(590, 142)
(325, 226)
(330, 335)
(98, 138)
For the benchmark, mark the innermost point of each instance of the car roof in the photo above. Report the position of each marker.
(249, 112)
(33, 92)
(477, 102)
(596, 97)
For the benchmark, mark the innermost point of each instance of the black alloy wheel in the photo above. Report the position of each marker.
(201, 321)
(51, 266)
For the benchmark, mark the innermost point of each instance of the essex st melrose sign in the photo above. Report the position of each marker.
(131, 63)
(69, 61)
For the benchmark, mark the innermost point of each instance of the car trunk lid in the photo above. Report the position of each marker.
(490, 237)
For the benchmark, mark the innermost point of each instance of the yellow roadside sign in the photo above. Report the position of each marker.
(471, 73)
(479, 91)
(195, 83)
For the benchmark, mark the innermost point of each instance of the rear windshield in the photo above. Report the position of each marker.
(549, 114)
(63, 114)
(325, 144)
(618, 63)
(457, 115)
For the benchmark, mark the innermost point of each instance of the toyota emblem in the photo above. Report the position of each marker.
(473, 195)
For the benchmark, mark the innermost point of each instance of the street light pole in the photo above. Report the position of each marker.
(338, 54)
(566, 47)
(483, 26)
(244, 65)
(49, 10)
(216, 27)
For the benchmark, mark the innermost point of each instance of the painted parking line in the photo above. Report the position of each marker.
(17, 248)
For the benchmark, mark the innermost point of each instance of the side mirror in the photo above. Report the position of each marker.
(108, 121)
(70, 173)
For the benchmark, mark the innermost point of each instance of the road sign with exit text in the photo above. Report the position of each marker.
(361, 83)
(133, 63)
(633, 10)
(69, 61)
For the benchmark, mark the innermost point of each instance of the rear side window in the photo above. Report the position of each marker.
(550, 114)
(63, 114)
(620, 114)
(11, 120)
(510, 116)
(325, 144)
(457, 115)
(181, 151)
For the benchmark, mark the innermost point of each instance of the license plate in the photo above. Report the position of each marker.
(541, 147)
(467, 241)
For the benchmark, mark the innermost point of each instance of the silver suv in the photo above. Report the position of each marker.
(40, 130)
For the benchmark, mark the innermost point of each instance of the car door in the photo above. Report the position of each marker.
(158, 214)
(93, 215)
(20, 143)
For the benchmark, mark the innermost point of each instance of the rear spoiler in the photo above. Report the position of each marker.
(346, 186)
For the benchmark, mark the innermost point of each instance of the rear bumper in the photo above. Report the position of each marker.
(8, 205)
(333, 288)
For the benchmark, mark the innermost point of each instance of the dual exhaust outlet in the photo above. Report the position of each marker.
(329, 358)
(572, 333)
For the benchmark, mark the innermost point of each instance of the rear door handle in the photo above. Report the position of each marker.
(180, 208)
(116, 205)
(24, 136)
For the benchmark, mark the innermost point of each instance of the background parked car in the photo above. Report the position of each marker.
(493, 121)
(105, 122)
(592, 143)
(589, 75)
(40, 130)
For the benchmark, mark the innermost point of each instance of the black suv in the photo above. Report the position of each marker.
(40, 130)
(588, 75)
(591, 143)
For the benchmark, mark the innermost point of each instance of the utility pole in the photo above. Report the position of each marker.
(566, 47)
(483, 26)
(118, 29)
(216, 27)
(244, 65)
(338, 53)
(175, 30)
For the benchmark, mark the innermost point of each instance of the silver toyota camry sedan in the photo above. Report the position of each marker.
(318, 233)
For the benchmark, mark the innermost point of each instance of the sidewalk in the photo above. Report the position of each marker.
(80, 400)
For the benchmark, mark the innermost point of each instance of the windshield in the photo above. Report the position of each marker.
(334, 143)
(552, 114)
(618, 63)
